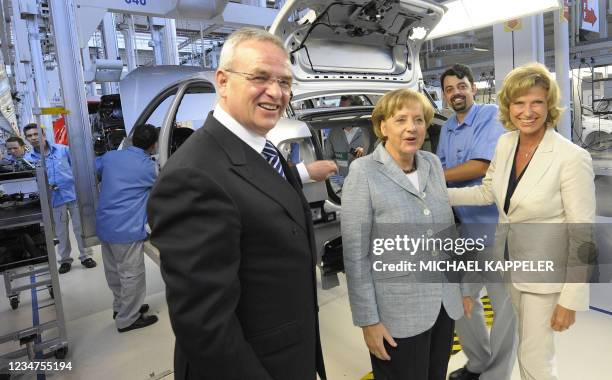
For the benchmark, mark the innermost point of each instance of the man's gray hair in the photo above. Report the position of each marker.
(243, 35)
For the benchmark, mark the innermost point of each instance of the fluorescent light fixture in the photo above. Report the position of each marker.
(463, 15)
(418, 33)
(481, 85)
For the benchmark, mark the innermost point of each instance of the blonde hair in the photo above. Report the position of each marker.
(518, 82)
(226, 57)
(394, 101)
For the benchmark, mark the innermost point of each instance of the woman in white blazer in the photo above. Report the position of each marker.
(536, 176)
(407, 321)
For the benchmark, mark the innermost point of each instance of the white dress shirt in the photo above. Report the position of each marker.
(414, 178)
(252, 139)
(350, 134)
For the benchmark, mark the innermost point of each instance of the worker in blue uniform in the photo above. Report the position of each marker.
(15, 147)
(63, 196)
(466, 146)
(127, 177)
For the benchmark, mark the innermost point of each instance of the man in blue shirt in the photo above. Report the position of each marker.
(466, 147)
(63, 196)
(127, 177)
(15, 147)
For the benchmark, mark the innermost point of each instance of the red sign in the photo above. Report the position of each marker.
(590, 9)
(589, 16)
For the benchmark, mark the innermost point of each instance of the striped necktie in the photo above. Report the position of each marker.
(271, 155)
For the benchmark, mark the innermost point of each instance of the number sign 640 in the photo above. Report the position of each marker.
(136, 2)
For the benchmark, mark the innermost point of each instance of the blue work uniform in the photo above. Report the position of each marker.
(9, 159)
(490, 354)
(127, 177)
(63, 199)
(59, 173)
(473, 139)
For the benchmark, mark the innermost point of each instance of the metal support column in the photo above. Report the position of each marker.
(169, 44)
(111, 51)
(63, 14)
(23, 108)
(23, 68)
(39, 71)
(156, 41)
(202, 47)
(90, 86)
(562, 70)
(5, 33)
(127, 29)
(603, 17)
(214, 55)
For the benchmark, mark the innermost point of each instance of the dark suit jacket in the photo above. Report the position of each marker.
(238, 259)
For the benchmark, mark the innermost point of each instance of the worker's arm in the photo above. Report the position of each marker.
(466, 171)
(478, 153)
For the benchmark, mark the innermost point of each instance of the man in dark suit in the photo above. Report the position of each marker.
(234, 232)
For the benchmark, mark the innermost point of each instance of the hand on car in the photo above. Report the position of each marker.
(374, 336)
(321, 170)
(562, 318)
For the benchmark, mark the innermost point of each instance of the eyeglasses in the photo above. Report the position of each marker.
(261, 80)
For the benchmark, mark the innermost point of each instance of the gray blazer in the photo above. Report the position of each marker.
(377, 192)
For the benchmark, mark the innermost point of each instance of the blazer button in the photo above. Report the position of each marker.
(294, 231)
(426, 212)
(429, 232)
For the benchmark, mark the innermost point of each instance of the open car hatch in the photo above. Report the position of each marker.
(354, 46)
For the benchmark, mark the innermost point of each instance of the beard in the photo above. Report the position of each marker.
(461, 105)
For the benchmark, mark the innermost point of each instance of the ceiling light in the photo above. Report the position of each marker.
(463, 15)
(418, 33)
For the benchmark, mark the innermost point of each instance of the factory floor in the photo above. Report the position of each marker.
(98, 351)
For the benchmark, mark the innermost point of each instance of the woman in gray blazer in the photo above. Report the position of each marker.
(407, 320)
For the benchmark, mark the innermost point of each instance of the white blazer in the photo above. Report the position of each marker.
(557, 187)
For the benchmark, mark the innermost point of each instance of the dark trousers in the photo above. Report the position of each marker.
(420, 357)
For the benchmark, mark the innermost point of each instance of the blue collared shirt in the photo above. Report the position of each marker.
(473, 139)
(10, 159)
(127, 178)
(19, 163)
(59, 172)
